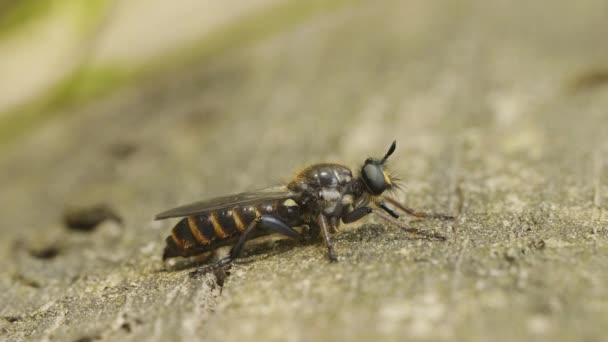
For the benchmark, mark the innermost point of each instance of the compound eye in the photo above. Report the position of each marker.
(374, 178)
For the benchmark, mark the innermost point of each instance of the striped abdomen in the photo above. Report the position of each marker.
(194, 235)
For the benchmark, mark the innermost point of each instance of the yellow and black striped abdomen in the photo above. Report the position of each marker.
(194, 235)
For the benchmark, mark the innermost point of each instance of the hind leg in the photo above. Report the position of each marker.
(267, 222)
(413, 212)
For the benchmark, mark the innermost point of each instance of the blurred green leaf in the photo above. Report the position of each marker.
(15, 14)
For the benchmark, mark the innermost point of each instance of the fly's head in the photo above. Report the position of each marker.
(375, 176)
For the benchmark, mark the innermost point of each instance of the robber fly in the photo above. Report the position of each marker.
(318, 198)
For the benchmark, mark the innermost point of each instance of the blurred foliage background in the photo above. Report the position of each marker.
(56, 54)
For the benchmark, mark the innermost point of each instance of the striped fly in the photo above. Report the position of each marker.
(317, 200)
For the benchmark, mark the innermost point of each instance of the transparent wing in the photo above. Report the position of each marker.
(227, 202)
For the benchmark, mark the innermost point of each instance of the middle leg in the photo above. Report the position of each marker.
(322, 222)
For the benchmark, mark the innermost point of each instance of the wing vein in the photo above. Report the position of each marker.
(229, 202)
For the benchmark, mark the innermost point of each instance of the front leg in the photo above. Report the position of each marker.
(413, 212)
(322, 222)
(407, 229)
(359, 213)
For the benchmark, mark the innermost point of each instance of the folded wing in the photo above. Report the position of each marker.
(228, 202)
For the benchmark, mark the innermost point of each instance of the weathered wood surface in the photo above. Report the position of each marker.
(499, 110)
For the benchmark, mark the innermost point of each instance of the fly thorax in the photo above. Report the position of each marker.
(332, 201)
(330, 194)
(347, 200)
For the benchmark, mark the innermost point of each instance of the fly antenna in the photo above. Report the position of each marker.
(390, 151)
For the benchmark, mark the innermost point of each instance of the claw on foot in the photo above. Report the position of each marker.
(223, 263)
(423, 234)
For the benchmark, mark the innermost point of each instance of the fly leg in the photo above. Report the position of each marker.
(310, 231)
(405, 228)
(334, 223)
(322, 222)
(270, 223)
(413, 212)
(359, 213)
